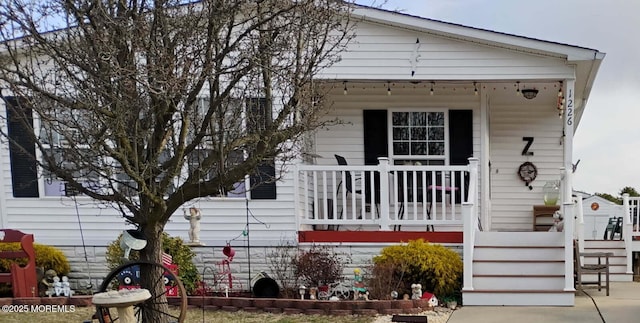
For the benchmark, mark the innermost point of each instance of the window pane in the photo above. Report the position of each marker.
(418, 148)
(400, 134)
(436, 133)
(436, 148)
(400, 118)
(401, 148)
(418, 119)
(418, 133)
(436, 118)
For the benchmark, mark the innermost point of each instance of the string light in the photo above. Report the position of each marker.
(388, 88)
(431, 91)
(560, 90)
(475, 88)
(345, 88)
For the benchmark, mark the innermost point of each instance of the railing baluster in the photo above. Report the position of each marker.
(334, 189)
(414, 180)
(316, 206)
(324, 195)
(424, 195)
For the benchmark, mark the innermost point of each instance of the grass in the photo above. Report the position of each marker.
(193, 316)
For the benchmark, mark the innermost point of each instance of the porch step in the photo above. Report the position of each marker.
(518, 268)
(618, 262)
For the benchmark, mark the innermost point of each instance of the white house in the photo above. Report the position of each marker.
(449, 132)
(597, 212)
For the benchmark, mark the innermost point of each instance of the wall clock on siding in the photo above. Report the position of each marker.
(527, 172)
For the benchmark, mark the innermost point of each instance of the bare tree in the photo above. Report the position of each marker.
(145, 105)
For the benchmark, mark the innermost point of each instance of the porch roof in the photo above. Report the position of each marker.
(586, 61)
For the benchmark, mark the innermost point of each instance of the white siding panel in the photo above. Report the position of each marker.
(511, 201)
(382, 52)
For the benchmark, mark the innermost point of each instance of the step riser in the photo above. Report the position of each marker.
(497, 268)
(518, 254)
(519, 239)
(518, 283)
(605, 244)
(614, 277)
(518, 299)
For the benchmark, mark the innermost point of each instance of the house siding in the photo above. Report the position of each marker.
(511, 200)
(384, 53)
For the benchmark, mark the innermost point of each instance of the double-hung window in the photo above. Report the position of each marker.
(419, 137)
(57, 140)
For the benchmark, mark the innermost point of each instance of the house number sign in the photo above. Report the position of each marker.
(525, 151)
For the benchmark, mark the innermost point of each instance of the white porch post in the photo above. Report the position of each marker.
(627, 227)
(383, 163)
(567, 185)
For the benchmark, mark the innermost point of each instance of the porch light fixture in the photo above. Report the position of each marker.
(431, 91)
(345, 88)
(475, 88)
(518, 88)
(388, 88)
(529, 93)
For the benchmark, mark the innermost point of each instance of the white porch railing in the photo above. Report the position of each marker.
(384, 197)
(472, 224)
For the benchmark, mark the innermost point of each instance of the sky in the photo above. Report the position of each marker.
(607, 141)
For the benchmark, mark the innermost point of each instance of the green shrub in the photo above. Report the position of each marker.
(47, 257)
(437, 268)
(181, 253)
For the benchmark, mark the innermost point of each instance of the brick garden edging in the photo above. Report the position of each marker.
(320, 307)
(270, 305)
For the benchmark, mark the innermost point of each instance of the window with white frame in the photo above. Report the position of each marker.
(231, 128)
(54, 138)
(419, 137)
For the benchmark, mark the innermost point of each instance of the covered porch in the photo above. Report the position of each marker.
(385, 197)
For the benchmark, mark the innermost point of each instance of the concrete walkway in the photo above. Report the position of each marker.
(623, 305)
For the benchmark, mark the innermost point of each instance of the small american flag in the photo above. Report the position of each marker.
(167, 259)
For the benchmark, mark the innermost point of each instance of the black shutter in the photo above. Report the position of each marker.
(460, 141)
(24, 174)
(263, 185)
(264, 179)
(375, 145)
(375, 135)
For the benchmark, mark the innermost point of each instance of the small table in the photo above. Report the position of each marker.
(543, 211)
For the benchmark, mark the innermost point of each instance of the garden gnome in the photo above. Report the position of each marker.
(45, 287)
(66, 287)
(416, 291)
(57, 286)
(194, 216)
(359, 290)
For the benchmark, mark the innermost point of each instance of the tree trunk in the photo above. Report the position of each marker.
(152, 278)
